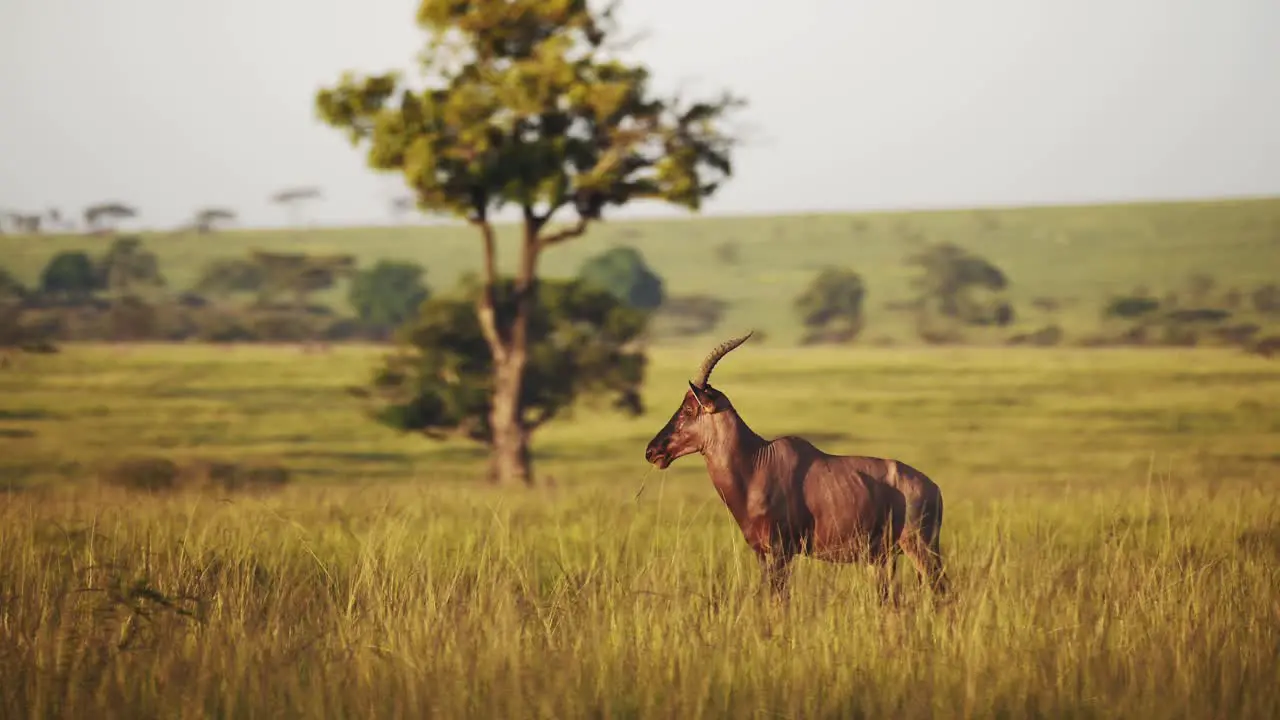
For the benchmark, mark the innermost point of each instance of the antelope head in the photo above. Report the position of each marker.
(694, 423)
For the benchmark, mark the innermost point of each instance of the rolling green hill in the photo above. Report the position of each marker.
(1076, 254)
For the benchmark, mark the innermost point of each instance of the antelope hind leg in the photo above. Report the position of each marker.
(927, 559)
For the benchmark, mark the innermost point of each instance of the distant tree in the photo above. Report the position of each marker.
(299, 274)
(128, 268)
(388, 294)
(1266, 299)
(1131, 307)
(70, 275)
(208, 220)
(226, 277)
(958, 287)
(581, 346)
(293, 199)
(103, 216)
(26, 224)
(831, 307)
(622, 272)
(529, 106)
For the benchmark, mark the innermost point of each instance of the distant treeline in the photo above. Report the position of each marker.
(957, 297)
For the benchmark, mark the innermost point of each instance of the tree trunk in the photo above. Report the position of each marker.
(510, 462)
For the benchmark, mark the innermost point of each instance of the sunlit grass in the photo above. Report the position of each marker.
(1112, 531)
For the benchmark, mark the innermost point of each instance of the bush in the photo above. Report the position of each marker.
(956, 289)
(1266, 299)
(1129, 307)
(282, 326)
(1238, 334)
(147, 474)
(388, 295)
(158, 474)
(1267, 346)
(231, 477)
(831, 307)
(70, 274)
(623, 273)
(218, 327)
(131, 319)
(1047, 336)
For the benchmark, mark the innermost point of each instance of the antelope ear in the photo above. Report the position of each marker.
(704, 399)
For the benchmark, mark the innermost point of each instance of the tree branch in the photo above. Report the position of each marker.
(485, 308)
(568, 233)
(533, 222)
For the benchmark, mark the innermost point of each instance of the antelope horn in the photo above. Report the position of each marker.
(704, 372)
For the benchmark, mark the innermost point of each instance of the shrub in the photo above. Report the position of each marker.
(388, 295)
(141, 473)
(158, 474)
(623, 273)
(832, 306)
(1047, 336)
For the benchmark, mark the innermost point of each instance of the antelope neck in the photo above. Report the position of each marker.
(732, 451)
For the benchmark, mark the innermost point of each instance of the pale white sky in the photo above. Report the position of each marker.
(176, 104)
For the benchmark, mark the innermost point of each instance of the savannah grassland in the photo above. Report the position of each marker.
(1112, 533)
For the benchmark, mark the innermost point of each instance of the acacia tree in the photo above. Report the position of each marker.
(103, 216)
(208, 220)
(293, 198)
(525, 103)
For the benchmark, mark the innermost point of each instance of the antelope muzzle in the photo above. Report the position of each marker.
(656, 453)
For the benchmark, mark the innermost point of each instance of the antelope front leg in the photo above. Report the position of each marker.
(775, 572)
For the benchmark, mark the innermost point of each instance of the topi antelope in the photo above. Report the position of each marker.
(790, 498)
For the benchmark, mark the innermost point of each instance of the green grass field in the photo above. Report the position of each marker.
(1112, 533)
(1078, 255)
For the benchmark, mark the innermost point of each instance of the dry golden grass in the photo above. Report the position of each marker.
(1112, 531)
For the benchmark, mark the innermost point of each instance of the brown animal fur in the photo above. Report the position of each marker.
(790, 498)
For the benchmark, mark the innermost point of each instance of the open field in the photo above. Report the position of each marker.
(1078, 255)
(1112, 532)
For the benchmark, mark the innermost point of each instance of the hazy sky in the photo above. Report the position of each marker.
(176, 104)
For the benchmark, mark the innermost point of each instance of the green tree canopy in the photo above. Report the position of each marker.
(388, 294)
(526, 103)
(960, 286)
(225, 277)
(70, 274)
(831, 307)
(582, 343)
(128, 267)
(207, 220)
(103, 215)
(299, 274)
(622, 272)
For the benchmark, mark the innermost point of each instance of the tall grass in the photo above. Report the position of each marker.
(1112, 535)
(411, 602)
